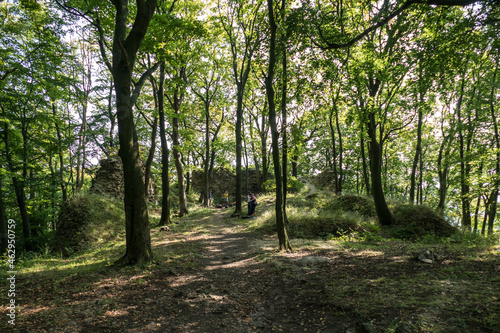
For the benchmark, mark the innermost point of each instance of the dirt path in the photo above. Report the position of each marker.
(232, 289)
(211, 275)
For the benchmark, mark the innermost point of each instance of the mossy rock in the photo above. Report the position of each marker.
(88, 221)
(415, 221)
(353, 203)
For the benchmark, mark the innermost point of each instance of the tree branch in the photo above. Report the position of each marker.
(138, 86)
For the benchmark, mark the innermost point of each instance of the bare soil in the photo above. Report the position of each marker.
(219, 277)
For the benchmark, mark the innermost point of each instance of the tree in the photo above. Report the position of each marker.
(240, 23)
(280, 209)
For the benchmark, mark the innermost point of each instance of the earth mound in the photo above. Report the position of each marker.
(415, 221)
(353, 203)
(88, 221)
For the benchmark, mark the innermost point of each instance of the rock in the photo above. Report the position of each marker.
(426, 256)
(108, 179)
(367, 327)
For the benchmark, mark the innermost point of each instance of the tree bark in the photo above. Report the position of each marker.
(165, 185)
(492, 211)
(416, 158)
(376, 152)
(178, 157)
(284, 243)
(61, 158)
(284, 91)
(464, 187)
(125, 48)
(151, 154)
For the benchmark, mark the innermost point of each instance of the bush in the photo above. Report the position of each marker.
(412, 222)
(88, 221)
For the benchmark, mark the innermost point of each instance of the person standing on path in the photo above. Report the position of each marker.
(210, 198)
(252, 204)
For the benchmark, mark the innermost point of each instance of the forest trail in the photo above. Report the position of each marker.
(234, 289)
(212, 274)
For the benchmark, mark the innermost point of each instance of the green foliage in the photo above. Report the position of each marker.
(293, 185)
(88, 221)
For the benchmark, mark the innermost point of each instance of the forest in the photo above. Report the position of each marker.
(326, 109)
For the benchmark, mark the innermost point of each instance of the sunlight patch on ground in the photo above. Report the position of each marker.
(236, 264)
(369, 253)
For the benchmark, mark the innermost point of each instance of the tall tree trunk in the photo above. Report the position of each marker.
(376, 152)
(442, 165)
(334, 146)
(416, 157)
(366, 177)
(238, 138)
(284, 91)
(165, 185)
(284, 243)
(339, 180)
(61, 157)
(178, 162)
(263, 148)
(207, 153)
(138, 241)
(492, 211)
(151, 154)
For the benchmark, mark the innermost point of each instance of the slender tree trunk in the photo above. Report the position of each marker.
(284, 91)
(340, 178)
(207, 153)
(366, 178)
(417, 157)
(165, 185)
(476, 215)
(464, 187)
(263, 147)
(284, 243)
(487, 202)
(238, 138)
(295, 170)
(334, 146)
(151, 154)
(178, 163)
(443, 172)
(61, 157)
(492, 211)
(376, 152)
